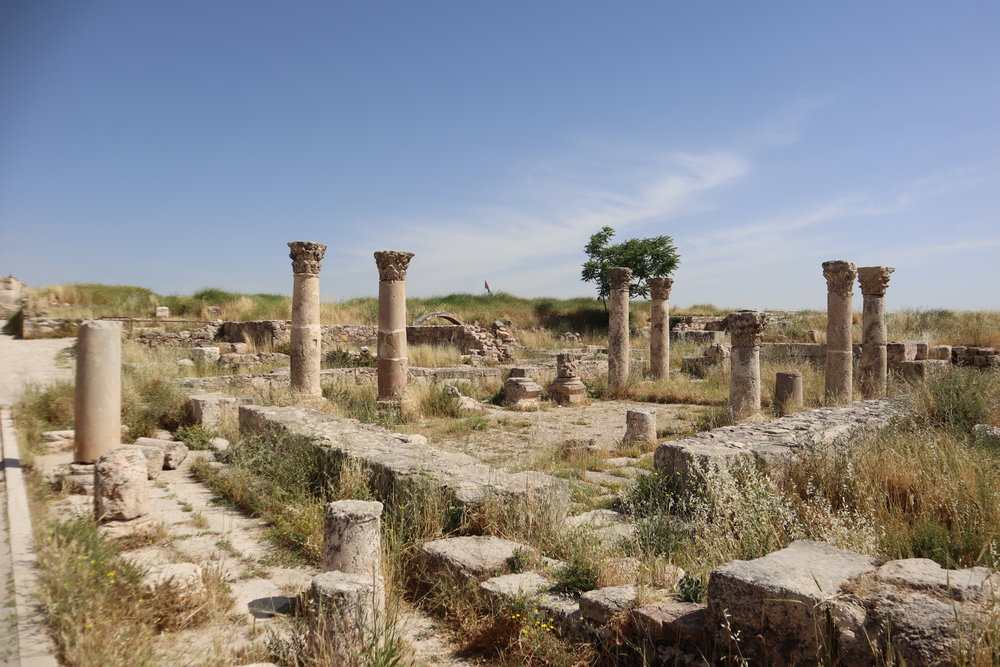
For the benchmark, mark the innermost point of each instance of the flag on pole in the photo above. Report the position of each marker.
(487, 286)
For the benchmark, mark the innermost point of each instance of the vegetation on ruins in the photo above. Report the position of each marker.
(647, 258)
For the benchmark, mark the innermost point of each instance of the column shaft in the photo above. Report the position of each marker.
(306, 333)
(392, 361)
(98, 393)
(874, 363)
(618, 338)
(745, 328)
(659, 328)
(839, 313)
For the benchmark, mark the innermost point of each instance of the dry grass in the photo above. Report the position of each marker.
(434, 356)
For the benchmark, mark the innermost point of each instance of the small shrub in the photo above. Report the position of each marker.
(691, 589)
(195, 436)
(577, 575)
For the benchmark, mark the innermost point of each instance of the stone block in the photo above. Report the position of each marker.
(521, 393)
(777, 603)
(121, 490)
(174, 452)
(206, 354)
(922, 369)
(475, 557)
(212, 409)
(512, 586)
(921, 352)
(162, 311)
(670, 621)
(603, 604)
(342, 614)
(898, 352)
(154, 458)
(640, 426)
(942, 352)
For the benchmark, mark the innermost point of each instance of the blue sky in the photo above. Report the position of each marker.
(181, 144)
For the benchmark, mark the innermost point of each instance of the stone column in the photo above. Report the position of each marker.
(788, 392)
(306, 337)
(392, 366)
(640, 426)
(618, 340)
(659, 328)
(352, 537)
(874, 363)
(568, 388)
(839, 356)
(98, 394)
(745, 328)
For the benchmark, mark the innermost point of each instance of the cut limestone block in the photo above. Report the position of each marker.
(121, 491)
(670, 621)
(174, 452)
(154, 458)
(212, 409)
(922, 369)
(603, 604)
(775, 603)
(475, 557)
(511, 586)
(206, 354)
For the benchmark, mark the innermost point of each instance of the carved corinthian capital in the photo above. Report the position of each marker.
(306, 256)
(392, 264)
(839, 276)
(660, 287)
(746, 326)
(620, 277)
(874, 279)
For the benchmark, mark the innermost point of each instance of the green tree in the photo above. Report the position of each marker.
(648, 258)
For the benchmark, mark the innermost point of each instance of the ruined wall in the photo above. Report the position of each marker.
(11, 291)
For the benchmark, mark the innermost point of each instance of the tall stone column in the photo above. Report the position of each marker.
(659, 328)
(874, 365)
(745, 328)
(839, 276)
(618, 340)
(98, 395)
(392, 366)
(306, 336)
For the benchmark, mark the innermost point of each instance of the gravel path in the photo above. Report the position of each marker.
(29, 361)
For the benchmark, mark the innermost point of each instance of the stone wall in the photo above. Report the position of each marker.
(11, 291)
(49, 327)
(775, 440)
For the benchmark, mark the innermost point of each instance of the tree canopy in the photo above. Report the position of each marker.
(648, 258)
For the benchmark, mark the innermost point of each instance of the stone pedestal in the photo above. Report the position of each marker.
(306, 337)
(121, 492)
(745, 328)
(343, 616)
(392, 363)
(352, 537)
(162, 312)
(659, 328)
(521, 393)
(839, 276)
(568, 388)
(640, 426)
(788, 392)
(98, 393)
(618, 338)
(874, 362)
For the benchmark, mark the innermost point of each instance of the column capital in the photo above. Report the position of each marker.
(567, 365)
(746, 326)
(660, 287)
(392, 264)
(874, 279)
(839, 276)
(306, 256)
(620, 277)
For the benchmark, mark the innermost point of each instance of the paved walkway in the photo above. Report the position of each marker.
(21, 362)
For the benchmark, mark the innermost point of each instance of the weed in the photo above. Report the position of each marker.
(195, 436)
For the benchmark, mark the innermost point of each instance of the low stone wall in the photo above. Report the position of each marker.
(49, 327)
(394, 459)
(979, 357)
(775, 440)
(338, 376)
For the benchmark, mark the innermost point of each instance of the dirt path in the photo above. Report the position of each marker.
(30, 361)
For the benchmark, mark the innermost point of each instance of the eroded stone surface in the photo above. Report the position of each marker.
(121, 491)
(174, 452)
(474, 557)
(774, 440)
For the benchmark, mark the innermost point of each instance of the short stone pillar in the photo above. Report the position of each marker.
(521, 393)
(306, 336)
(659, 328)
(788, 392)
(98, 394)
(568, 388)
(745, 328)
(874, 361)
(162, 312)
(839, 276)
(121, 492)
(352, 537)
(640, 426)
(392, 364)
(618, 339)
(343, 616)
